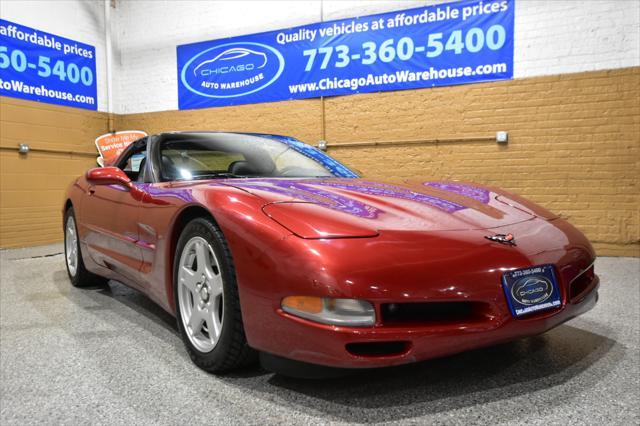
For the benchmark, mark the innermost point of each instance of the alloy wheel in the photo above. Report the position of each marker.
(200, 296)
(71, 246)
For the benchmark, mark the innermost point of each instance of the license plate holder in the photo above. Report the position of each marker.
(531, 290)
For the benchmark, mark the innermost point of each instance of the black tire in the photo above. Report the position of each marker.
(81, 277)
(231, 350)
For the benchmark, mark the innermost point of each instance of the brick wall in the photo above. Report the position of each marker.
(574, 140)
(32, 186)
(574, 146)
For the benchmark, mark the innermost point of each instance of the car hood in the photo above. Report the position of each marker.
(358, 207)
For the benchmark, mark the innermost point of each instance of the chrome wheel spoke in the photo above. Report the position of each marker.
(214, 327)
(215, 286)
(195, 322)
(201, 257)
(189, 279)
(213, 322)
(208, 273)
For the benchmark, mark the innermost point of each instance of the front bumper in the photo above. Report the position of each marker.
(449, 267)
(329, 345)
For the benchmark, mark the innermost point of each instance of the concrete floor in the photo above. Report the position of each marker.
(110, 356)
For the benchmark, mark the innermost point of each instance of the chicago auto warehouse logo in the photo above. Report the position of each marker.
(231, 70)
(532, 290)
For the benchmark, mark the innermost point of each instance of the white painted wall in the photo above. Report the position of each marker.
(564, 36)
(551, 37)
(77, 20)
(147, 33)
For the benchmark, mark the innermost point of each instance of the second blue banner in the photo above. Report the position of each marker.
(453, 43)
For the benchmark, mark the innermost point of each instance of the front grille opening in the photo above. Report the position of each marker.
(581, 284)
(434, 312)
(378, 349)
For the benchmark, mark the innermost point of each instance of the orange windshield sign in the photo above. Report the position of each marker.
(111, 145)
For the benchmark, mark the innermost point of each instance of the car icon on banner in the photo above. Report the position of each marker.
(217, 65)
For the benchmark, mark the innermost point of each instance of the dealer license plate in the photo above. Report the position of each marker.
(531, 290)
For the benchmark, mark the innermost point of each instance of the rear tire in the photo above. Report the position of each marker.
(78, 274)
(207, 301)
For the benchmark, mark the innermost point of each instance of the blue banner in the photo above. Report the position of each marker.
(452, 43)
(44, 67)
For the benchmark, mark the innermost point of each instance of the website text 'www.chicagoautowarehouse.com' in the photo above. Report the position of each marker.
(19, 86)
(396, 77)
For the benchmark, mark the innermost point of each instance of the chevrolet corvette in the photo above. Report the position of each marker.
(263, 245)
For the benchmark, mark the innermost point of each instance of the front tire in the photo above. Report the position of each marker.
(78, 274)
(207, 301)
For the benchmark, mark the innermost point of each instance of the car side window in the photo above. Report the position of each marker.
(133, 168)
(133, 163)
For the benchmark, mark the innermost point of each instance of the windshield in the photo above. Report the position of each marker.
(229, 155)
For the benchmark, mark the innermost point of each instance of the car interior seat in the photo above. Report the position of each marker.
(242, 168)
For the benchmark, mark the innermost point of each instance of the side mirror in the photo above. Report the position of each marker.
(114, 176)
(108, 176)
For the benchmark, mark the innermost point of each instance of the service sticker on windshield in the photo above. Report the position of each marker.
(531, 290)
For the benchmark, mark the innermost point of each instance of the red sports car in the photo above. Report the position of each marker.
(263, 244)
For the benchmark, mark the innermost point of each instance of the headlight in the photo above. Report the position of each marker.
(346, 312)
